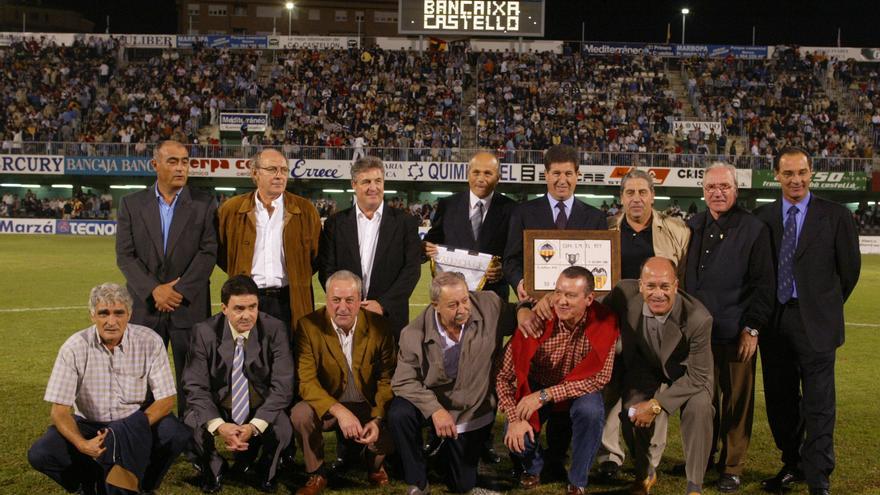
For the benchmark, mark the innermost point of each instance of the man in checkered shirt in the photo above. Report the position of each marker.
(117, 379)
(563, 370)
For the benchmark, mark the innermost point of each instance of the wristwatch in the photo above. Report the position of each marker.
(751, 331)
(543, 396)
(655, 406)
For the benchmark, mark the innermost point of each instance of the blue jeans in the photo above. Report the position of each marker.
(587, 414)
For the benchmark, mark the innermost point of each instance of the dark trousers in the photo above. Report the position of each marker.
(269, 444)
(734, 403)
(460, 456)
(58, 459)
(586, 420)
(276, 302)
(802, 425)
(179, 339)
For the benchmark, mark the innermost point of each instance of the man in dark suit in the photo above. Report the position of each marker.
(816, 249)
(377, 243)
(730, 270)
(476, 220)
(557, 210)
(239, 382)
(166, 247)
(667, 366)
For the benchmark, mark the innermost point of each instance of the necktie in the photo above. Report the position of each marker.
(240, 407)
(477, 220)
(561, 218)
(785, 278)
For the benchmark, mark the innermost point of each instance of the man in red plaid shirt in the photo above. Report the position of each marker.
(563, 369)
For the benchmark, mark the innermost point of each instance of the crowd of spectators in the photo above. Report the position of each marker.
(861, 80)
(79, 206)
(608, 103)
(775, 103)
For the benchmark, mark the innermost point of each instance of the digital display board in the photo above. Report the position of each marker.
(472, 17)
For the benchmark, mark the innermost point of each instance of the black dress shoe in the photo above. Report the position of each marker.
(820, 491)
(268, 485)
(211, 483)
(729, 483)
(784, 479)
(489, 456)
(609, 470)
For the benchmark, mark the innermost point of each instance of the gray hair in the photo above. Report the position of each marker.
(636, 173)
(108, 294)
(726, 166)
(365, 163)
(162, 144)
(445, 279)
(345, 275)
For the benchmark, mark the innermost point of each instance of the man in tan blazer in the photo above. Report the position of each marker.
(345, 360)
(667, 366)
(272, 236)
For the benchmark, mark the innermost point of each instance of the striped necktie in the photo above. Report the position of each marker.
(240, 406)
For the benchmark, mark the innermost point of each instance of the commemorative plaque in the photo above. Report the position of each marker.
(548, 252)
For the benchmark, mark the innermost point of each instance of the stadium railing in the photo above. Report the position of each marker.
(618, 159)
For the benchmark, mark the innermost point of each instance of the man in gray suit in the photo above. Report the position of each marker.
(238, 383)
(166, 247)
(667, 366)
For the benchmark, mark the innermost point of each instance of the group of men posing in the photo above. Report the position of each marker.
(679, 333)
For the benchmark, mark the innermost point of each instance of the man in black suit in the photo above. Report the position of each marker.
(557, 210)
(816, 247)
(239, 382)
(166, 247)
(377, 243)
(730, 270)
(476, 220)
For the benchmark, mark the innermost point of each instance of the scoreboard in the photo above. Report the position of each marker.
(508, 18)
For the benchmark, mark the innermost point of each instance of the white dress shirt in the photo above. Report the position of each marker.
(368, 237)
(486, 202)
(346, 340)
(267, 267)
(569, 204)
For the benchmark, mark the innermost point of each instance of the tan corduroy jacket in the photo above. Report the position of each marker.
(237, 233)
(670, 236)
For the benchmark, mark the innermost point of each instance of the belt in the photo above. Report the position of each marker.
(274, 291)
(792, 303)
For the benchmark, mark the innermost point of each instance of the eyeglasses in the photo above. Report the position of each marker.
(275, 170)
(718, 187)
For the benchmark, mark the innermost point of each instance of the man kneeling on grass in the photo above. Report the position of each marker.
(120, 437)
(563, 369)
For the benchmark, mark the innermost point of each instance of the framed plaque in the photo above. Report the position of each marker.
(548, 252)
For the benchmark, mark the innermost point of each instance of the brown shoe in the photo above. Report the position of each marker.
(528, 481)
(314, 486)
(575, 490)
(643, 487)
(378, 478)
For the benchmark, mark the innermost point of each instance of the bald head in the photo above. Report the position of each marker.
(658, 284)
(483, 174)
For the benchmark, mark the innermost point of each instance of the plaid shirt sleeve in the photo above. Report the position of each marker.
(63, 382)
(505, 384)
(573, 389)
(160, 379)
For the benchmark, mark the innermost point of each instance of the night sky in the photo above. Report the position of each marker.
(710, 21)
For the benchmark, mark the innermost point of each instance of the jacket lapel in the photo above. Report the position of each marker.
(386, 231)
(810, 228)
(776, 223)
(252, 346)
(182, 214)
(465, 205)
(227, 346)
(331, 340)
(349, 230)
(671, 332)
(359, 348)
(152, 220)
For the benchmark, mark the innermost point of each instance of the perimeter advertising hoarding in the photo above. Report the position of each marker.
(32, 164)
(508, 18)
(839, 181)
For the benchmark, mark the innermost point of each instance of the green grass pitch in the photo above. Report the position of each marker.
(44, 286)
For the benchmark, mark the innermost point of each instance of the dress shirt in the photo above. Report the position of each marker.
(215, 423)
(569, 203)
(268, 264)
(635, 248)
(346, 340)
(166, 214)
(554, 359)
(103, 385)
(799, 220)
(653, 327)
(713, 234)
(486, 202)
(368, 237)
(451, 357)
